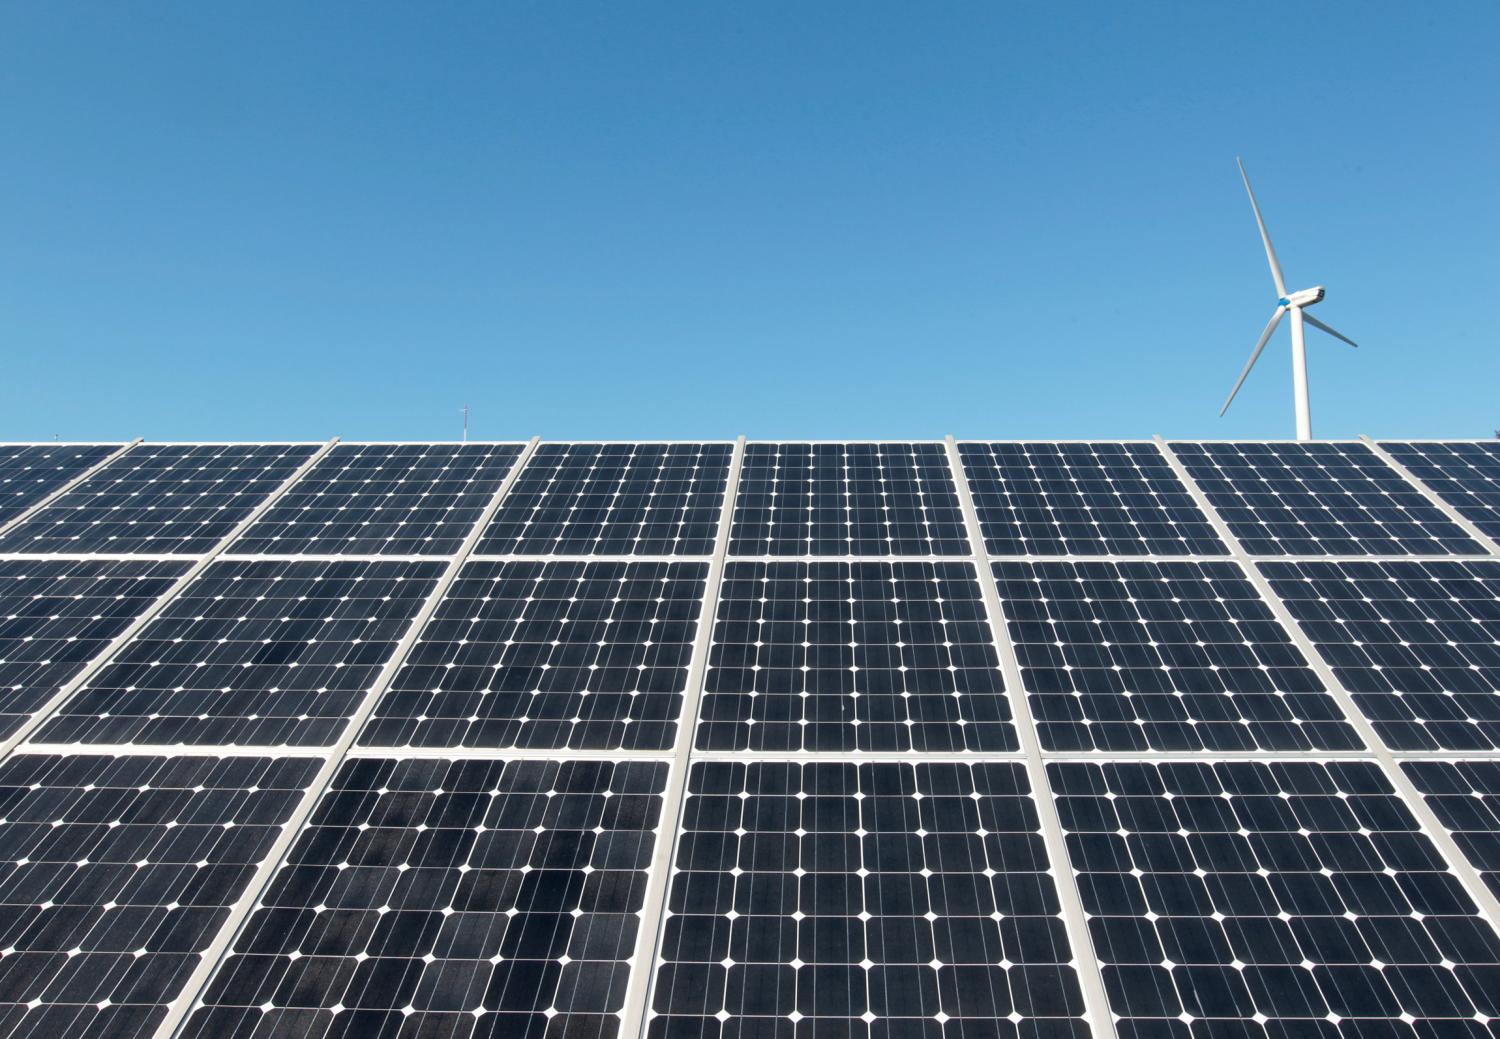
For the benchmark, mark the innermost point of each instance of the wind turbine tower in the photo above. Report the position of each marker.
(1294, 303)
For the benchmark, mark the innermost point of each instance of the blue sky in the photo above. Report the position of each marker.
(286, 221)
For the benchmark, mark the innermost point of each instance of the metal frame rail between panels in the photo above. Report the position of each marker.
(187, 1000)
(1090, 978)
(1389, 762)
(45, 712)
(1468, 525)
(636, 1011)
(48, 499)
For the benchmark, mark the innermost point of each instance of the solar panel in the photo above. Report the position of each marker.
(1254, 899)
(560, 654)
(1416, 643)
(847, 500)
(1052, 499)
(863, 900)
(866, 656)
(263, 653)
(383, 499)
(1161, 656)
(450, 898)
(1465, 797)
(613, 499)
(1465, 475)
(1319, 499)
(117, 874)
(56, 615)
(30, 472)
(161, 498)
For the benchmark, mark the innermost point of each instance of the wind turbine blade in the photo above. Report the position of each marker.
(1265, 337)
(1265, 236)
(1326, 328)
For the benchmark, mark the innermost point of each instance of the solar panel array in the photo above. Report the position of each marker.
(783, 740)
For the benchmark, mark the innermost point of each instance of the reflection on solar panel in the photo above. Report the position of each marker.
(1465, 475)
(613, 499)
(868, 900)
(384, 499)
(56, 615)
(847, 500)
(1047, 499)
(868, 656)
(1417, 643)
(266, 653)
(450, 898)
(161, 498)
(1465, 796)
(30, 472)
(1161, 656)
(118, 872)
(1248, 899)
(1319, 499)
(549, 655)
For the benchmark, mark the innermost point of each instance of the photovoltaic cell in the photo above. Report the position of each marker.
(263, 653)
(117, 874)
(864, 656)
(1048, 499)
(1465, 475)
(1272, 900)
(457, 899)
(56, 615)
(847, 500)
(1161, 656)
(383, 499)
(30, 472)
(1465, 796)
(1416, 643)
(880, 899)
(549, 655)
(1318, 499)
(613, 499)
(161, 498)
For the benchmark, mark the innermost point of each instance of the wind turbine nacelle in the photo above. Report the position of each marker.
(1304, 297)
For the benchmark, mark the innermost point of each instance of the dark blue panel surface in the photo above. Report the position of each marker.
(1315, 499)
(30, 472)
(1465, 475)
(847, 500)
(462, 899)
(1161, 656)
(1051, 499)
(1465, 796)
(863, 656)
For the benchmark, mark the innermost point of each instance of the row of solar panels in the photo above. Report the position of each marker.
(1033, 499)
(262, 882)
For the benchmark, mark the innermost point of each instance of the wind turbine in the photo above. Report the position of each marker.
(1286, 302)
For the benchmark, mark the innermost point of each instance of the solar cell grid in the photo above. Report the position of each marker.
(263, 653)
(881, 899)
(1161, 656)
(57, 615)
(1417, 644)
(1271, 900)
(1465, 796)
(863, 656)
(30, 472)
(613, 499)
(161, 498)
(1319, 499)
(117, 874)
(1052, 499)
(847, 500)
(561, 654)
(1465, 475)
(383, 499)
(450, 898)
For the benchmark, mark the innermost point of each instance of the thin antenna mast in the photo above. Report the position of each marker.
(466, 423)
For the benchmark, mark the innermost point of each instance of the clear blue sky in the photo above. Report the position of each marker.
(267, 220)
